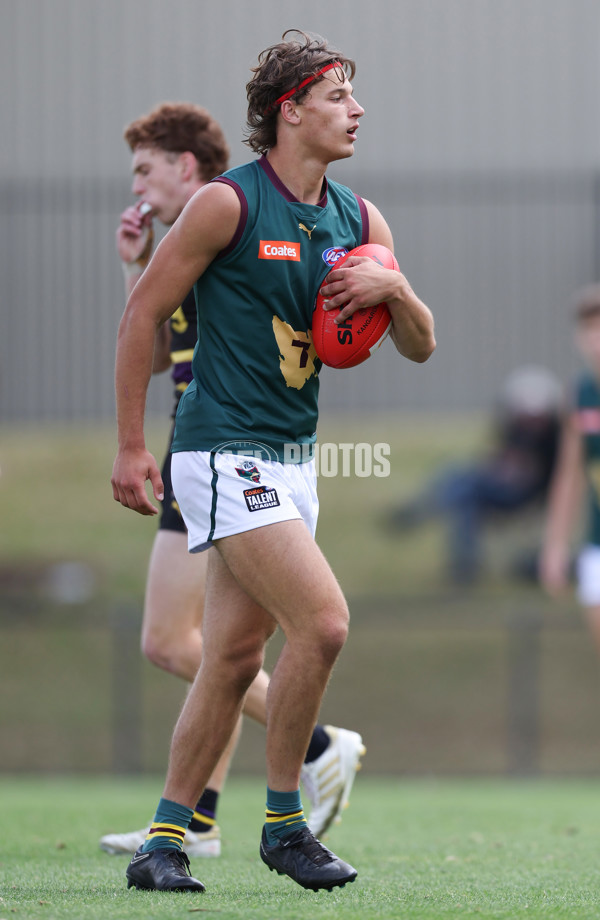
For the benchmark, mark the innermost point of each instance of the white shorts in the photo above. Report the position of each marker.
(224, 494)
(588, 576)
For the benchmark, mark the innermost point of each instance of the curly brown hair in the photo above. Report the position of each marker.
(281, 68)
(179, 127)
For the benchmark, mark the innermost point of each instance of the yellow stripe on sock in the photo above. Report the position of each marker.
(203, 819)
(177, 841)
(288, 818)
(166, 829)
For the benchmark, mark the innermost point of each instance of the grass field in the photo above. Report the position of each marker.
(423, 849)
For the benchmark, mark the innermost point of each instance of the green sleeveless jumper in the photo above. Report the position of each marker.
(255, 369)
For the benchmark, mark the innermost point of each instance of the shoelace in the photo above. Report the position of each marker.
(180, 860)
(311, 847)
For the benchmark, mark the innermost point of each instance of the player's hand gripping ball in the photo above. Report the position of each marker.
(353, 341)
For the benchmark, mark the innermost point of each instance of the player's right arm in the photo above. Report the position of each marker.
(135, 238)
(205, 227)
(563, 506)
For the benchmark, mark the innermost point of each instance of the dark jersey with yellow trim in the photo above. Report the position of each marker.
(587, 415)
(184, 334)
(255, 367)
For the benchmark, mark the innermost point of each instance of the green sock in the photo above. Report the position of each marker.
(169, 826)
(284, 815)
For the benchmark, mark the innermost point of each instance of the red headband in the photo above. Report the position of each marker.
(300, 86)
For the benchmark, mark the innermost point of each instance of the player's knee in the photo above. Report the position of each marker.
(243, 662)
(249, 669)
(163, 652)
(331, 631)
(240, 671)
(157, 653)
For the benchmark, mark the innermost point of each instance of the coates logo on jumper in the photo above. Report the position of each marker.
(280, 250)
(248, 470)
(334, 254)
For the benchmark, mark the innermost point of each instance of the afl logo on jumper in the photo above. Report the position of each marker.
(334, 254)
(279, 249)
(261, 498)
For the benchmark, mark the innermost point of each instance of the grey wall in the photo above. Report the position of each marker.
(480, 144)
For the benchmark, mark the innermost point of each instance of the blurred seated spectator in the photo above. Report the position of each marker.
(514, 475)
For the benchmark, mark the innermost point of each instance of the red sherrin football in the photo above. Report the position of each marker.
(355, 340)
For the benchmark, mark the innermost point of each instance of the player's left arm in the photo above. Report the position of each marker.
(362, 283)
(412, 329)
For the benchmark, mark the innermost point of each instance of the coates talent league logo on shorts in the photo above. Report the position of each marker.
(261, 498)
(334, 254)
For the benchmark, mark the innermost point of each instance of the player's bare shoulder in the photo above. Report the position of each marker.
(213, 214)
(379, 231)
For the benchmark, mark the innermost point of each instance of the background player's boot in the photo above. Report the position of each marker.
(119, 844)
(205, 845)
(328, 780)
